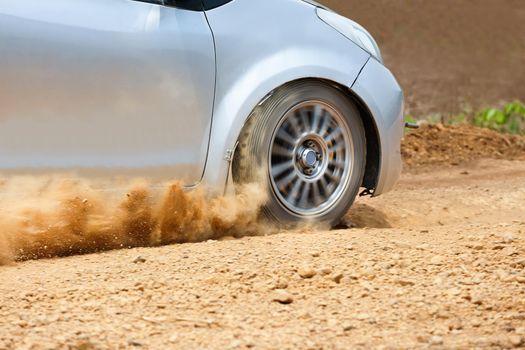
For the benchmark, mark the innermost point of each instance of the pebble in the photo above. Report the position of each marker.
(133, 342)
(280, 284)
(405, 283)
(325, 270)
(362, 317)
(306, 272)
(516, 340)
(437, 260)
(337, 277)
(478, 246)
(508, 238)
(139, 259)
(509, 251)
(454, 291)
(174, 338)
(282, 296)
(436, 340)
(348, 326)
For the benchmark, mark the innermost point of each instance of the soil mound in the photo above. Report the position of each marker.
(454, 145)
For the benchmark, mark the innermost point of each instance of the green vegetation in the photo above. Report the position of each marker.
(508, 119)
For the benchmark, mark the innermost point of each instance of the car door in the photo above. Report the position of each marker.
(105, 87)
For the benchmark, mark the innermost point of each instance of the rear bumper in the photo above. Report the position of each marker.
(380, 92)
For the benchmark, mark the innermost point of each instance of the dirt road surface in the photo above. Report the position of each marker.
(439, 262)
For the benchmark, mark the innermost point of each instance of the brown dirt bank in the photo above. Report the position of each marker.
(438, 146)
(449, 52)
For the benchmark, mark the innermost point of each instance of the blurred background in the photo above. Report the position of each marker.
(450, 56)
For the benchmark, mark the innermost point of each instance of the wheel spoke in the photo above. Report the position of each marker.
(285, 137)
(278, 150)
(317, 194)
(280, 169)
(319, 113)
(337, 147)
(303, 201)
(334, 179)
(293, 195)
(305, 120)
(285, 181)
(334, 135)
(323, 186)
(297, 131)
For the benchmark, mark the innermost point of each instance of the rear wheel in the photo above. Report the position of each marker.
(306, 145)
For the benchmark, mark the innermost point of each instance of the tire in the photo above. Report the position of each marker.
(306, 145)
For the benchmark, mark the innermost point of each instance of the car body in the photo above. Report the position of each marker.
(163, 89)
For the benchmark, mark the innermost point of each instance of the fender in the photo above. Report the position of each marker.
(271, 59)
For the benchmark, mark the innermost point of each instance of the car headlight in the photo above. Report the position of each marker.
(352, 31)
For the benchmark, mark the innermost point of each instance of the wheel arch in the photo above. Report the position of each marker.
(373, 149)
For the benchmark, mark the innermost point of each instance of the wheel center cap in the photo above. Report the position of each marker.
(309, 158)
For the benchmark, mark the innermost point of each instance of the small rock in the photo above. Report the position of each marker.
(476, 323)
(314, 254)
(133, 342)
(455, 325)
(347, 326)
(509, 251)
(280, 284)
(139, 260)
(476, 299)
(174, 338)
(520, 263)
(282, 296)
(454, 291)
(337, 277)
(438, 281)
(502, 275)
(405, 282)
(436, 340)
(306, 272)
(508, 238)
(516, 340)
(326, 270)
(437, 260)
(362, 316)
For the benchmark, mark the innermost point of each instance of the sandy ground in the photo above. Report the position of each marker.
(439, 262)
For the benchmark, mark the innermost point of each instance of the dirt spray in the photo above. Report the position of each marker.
(57, 216)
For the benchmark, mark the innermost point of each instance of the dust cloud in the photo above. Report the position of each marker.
(45, 217)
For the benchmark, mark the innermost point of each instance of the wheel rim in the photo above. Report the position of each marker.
(310, 158)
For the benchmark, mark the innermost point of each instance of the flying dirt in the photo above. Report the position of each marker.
(43, 217)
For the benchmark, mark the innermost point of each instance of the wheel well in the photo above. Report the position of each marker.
(373, 151)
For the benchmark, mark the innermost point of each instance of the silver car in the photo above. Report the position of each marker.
(211, 92)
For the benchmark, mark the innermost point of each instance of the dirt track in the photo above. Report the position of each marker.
(438, 262)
